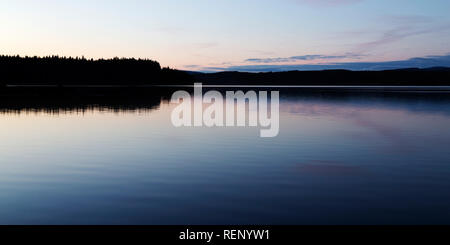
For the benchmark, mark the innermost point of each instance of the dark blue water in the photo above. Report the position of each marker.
(340, 158)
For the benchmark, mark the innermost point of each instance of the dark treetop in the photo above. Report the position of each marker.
(55, 70)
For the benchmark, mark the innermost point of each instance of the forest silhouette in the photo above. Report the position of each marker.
(67, 71)
(56, 70)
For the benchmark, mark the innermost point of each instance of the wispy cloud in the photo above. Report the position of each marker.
(419, 62)
(303, 58)
(402, 27)
(397, 34)
(191, 66)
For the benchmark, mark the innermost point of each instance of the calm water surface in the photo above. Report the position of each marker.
(372, 158)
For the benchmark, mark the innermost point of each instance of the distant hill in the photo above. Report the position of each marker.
(412, 76)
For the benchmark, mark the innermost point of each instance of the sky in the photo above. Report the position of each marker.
(217, 35)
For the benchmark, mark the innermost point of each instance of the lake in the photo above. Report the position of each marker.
(341, 157)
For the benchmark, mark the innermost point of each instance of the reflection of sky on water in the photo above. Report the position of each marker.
(393, 120)
(353, 159)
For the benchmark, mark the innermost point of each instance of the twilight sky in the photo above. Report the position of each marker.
(229, 34)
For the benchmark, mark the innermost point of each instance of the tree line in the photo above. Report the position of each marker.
(59, 70)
